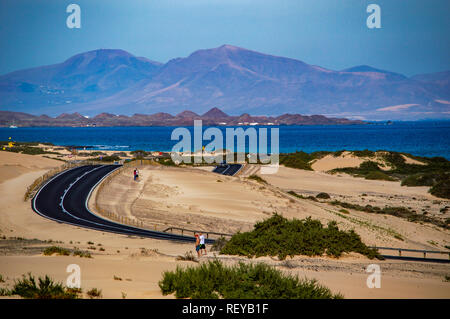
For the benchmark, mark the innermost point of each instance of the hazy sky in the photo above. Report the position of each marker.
(414, 37)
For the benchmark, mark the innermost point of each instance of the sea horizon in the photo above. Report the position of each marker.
(427, 138)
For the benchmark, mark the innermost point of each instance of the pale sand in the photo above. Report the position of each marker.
(409, 160)
(347, 159)
(200, 200)
(14, 164)
(189, 198)
(330, 162)
(17, 219)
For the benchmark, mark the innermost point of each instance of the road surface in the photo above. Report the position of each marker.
(64, 200)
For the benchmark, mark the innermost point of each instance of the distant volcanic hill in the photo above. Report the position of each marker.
(234, 79)
(186, 118)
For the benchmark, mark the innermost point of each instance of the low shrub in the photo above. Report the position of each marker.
(323, 196)
(257, 178)
(188, 256)
(280, 237)
(5, 292)
(427, 179)
(379, 176)
(94, 293)
(219, 244)
(364, 153)
(442, 188)
(302, 197)
(112, 158)
(400, 211)
(56, 250)
(45, 288)
(81, 253)
(213, 280)
(299, 160)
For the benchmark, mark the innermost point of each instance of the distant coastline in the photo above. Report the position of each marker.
(213, 117)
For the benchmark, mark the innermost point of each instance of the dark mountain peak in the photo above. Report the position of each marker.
(215, 113)
(103, 116)
(73, 116)
(188, 114)
(368, 68)
(245, 118)
(230, 47)
(99, 54)
(160, 116)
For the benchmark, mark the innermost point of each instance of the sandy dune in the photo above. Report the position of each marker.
(201, 200)
(189, 198)
(14, 164)
(330, 162)
(166, 195)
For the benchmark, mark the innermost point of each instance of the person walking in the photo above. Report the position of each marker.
(134, 174)
(202, 244)
(197, 245)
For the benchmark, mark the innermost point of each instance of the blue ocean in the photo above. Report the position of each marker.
(424, 138)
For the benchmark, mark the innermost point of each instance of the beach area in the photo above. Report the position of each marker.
(195, 198)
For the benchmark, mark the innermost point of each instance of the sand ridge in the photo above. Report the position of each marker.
(140, 262)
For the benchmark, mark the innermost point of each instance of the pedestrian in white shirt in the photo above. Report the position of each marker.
(202, 243)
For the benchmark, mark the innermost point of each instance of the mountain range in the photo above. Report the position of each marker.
(186, 118)
(234, 79)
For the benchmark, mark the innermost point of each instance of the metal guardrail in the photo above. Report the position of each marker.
(425, 252)
(171, 229)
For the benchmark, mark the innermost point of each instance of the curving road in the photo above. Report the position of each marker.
(228, 169)
(64, 200)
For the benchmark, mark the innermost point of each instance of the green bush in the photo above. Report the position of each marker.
(299, 160)
(364, 153)
(379, 176)
(369, 166)
(213, 280)
(111, 158)
(401, 212)
(167, 162)
(302, 197)
(56, 250)
(323, 196)
(94, 293)
(45, 288)
(421, 179)
(139, 154)
(258, 179)
(219, 244)
(442, 188)
(280, 237)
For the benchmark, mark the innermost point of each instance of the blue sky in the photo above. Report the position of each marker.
(414, 37)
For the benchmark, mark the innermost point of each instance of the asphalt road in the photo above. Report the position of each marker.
(64, 200)
(227, 169)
